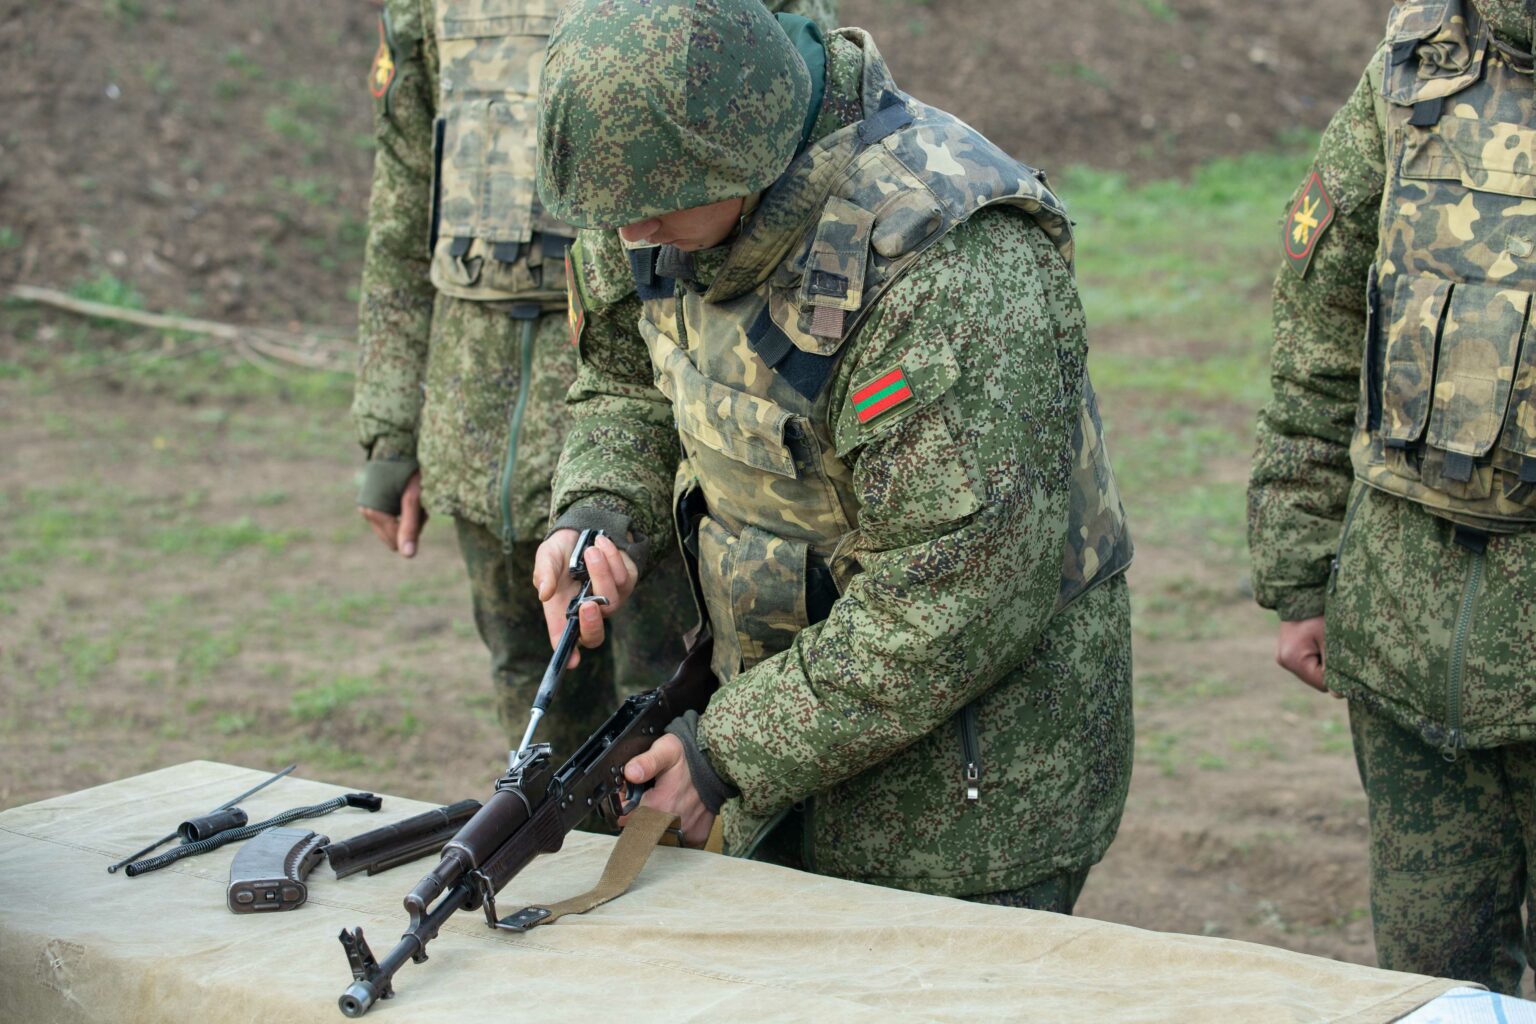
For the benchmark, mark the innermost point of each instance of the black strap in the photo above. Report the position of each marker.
(1426, 113)
(1374, 354)
(806, 372)
(1458, 467)
(459, 246)
(820, 589)
(507, 252)
(552, 247)
(1527, 470)
(674, 263)
(1471, 538)
(648, 284)
(892, 116)
(1403, 49)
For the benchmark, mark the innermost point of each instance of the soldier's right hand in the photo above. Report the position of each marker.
(400, 533)
(1300, 651)
(613, 576)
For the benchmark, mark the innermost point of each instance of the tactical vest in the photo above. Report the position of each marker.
(764, 495)
(491, 239)
(1447, 416)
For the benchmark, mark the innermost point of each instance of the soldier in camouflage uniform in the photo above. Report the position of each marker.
(856, 318)
(1394, 489)
(465, 361)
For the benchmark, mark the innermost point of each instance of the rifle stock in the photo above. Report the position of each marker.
(534, 807)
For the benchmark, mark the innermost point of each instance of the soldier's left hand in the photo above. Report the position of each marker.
(673, 791)
(613, 576)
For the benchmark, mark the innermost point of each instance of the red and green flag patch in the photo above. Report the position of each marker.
(1309, 218)
(881, 395)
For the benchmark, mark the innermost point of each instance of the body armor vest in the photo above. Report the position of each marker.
(491, 239)
(1448, 411)
(765, 496)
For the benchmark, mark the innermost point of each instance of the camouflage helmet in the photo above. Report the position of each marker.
(1510, 20)
(651, 106)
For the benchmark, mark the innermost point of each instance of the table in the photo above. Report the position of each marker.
(699, 937)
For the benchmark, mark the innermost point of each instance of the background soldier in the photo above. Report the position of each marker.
(907, 534)
(1417, 227)
(465, 356)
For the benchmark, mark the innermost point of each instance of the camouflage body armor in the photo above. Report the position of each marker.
(1448, 411)
(764, 495)
(491, 239)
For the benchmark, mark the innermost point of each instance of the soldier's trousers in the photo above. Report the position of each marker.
(1451, 853)
(643, 648)
(1057, 893)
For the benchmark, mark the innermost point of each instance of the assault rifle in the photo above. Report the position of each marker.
(533, 808)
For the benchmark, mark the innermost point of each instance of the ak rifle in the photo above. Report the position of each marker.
(533, 808)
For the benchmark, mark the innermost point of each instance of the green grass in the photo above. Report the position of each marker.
(1187, 257)
(1175, 278)
(326, 699)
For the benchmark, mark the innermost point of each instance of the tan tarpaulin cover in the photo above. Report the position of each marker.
(699, 938)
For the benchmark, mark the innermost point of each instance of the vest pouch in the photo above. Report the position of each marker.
(754, 591)
(1484, 156)
(1516, 453)
(491, 52)
(1430, 54)
(1474, 371)
(1413, 328)
(735, 424)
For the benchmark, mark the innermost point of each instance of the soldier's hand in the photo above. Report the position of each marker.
(1300, 651)
(613, 576)
(400, 533)
(673, 791)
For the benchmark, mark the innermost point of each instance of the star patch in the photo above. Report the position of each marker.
(575, 313)
(382, 75)
(881, 395)
(1309, 218)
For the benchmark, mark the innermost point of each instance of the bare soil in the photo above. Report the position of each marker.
(213, 159)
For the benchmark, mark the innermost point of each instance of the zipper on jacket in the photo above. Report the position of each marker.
(970, 753)
(1458, 662)
(508, 531)
(1349, 517)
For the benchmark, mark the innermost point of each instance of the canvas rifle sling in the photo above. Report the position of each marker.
(647, 827)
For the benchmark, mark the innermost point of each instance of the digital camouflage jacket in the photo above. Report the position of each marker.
(458, 373)
(1403, 362)
(908, 536)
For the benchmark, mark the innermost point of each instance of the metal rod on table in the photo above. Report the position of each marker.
(112, 868)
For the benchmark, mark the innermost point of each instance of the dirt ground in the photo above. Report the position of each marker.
(195, 583)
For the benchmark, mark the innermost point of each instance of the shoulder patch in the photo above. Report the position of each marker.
(880, 395)
(576, 313)
(1310, 216)
(386, 64)
(892, 390)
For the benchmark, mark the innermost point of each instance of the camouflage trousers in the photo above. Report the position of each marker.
(1057, 893)
(643, 649)
(1451, 853)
